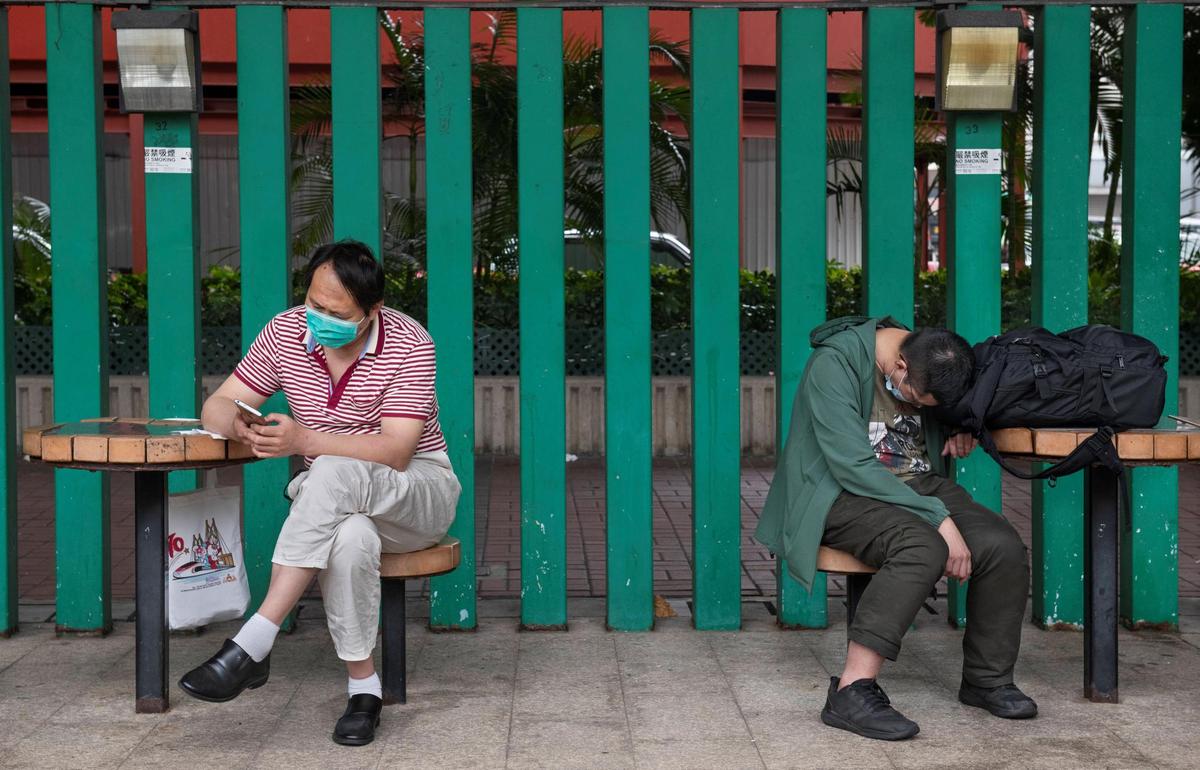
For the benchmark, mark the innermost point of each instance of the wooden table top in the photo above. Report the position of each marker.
(1165, 446)
(130, 443)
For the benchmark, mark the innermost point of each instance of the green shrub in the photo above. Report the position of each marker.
(221, 297)
(496, 295)
(127, 304)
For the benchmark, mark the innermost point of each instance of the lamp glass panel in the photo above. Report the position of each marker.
(157, 69)
(978, 68)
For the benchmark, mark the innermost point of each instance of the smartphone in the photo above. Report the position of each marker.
(255, 416)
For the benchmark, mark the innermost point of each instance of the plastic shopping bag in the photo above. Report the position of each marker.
(206, 578)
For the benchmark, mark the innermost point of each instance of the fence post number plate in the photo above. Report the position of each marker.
(169, 160)
(986, 161)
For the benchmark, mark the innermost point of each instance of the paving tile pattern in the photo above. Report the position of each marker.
(589, 698)
(497, 502)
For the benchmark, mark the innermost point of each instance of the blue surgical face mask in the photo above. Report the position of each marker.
(894, 388)
(329, 331)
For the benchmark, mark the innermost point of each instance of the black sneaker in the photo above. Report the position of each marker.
(1005, 701)
(863, 708)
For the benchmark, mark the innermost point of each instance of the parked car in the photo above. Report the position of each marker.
(582, 253)
(665, 249)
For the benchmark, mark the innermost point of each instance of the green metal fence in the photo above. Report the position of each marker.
(1153, 59)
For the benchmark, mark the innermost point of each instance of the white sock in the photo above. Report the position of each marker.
(371, 686)
(257, 637)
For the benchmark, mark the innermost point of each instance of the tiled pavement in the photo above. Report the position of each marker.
(590, 698)
(498, 528)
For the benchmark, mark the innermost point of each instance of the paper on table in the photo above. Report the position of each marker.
(198, 432)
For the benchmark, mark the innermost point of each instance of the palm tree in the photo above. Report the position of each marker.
(1107, 98)
(494, 137)
(31, 260)
(1106, 102)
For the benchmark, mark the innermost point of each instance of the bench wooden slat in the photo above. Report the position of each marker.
(165, 449)
(237, 450)
(435, 560)
(1054, 443)
(1171, 446)
(1014, 440)
(1135, 445)
(31, 438)
(56, 448)
(1148, 445)
(199, 447)
(90, 449)
(842, 563)
(127, 449)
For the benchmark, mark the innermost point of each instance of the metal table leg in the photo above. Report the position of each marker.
(395, 655)
(150, 516)
(1101, 572)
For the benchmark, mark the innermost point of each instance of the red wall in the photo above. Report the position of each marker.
(308, 51)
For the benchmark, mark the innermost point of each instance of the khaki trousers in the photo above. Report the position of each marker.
(344, 513)
(911, 556)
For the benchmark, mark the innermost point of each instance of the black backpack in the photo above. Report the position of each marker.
(1088, 377)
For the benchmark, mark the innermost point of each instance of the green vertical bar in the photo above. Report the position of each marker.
(1153, 85)
(173, 272)
(716, 424)
(8, 418)
(73, 78)
(448, 217)
(799, 248)
(543, 402)
(1061, 150)
(887, 197)
(264, 161)
(627, 318)
(357, 125)
(973, 285)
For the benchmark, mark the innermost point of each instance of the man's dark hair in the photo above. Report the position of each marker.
(940, 363)
(356, 268)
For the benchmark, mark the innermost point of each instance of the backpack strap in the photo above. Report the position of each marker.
(983, 392)
(1097, 449)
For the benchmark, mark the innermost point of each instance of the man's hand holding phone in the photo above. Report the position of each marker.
(269, 435)
(246, 416)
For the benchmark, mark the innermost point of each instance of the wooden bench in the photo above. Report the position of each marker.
(858, 575)
(394, 570)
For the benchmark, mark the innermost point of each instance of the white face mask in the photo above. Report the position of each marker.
(894, 387)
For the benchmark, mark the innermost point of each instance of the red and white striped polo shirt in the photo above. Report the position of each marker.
(393, 377)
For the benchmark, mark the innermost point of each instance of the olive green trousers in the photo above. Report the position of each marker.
(911, 557)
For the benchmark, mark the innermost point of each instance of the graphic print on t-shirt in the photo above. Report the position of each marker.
(899, 446)
(896, 435)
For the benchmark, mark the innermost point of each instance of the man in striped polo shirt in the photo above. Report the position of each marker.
(359, 381)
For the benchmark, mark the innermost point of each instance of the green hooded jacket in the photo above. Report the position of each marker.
(828, 449)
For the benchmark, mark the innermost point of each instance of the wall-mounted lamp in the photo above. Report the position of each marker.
(158, 55)
(977, 60)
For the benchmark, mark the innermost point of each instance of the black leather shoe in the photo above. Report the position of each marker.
(225, 675)
(358, 723)
(1005, 701)
(863, 708)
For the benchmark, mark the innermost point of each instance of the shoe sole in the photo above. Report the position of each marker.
(833, 720)
(967, 700)
(209, 699)
(354, 741)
